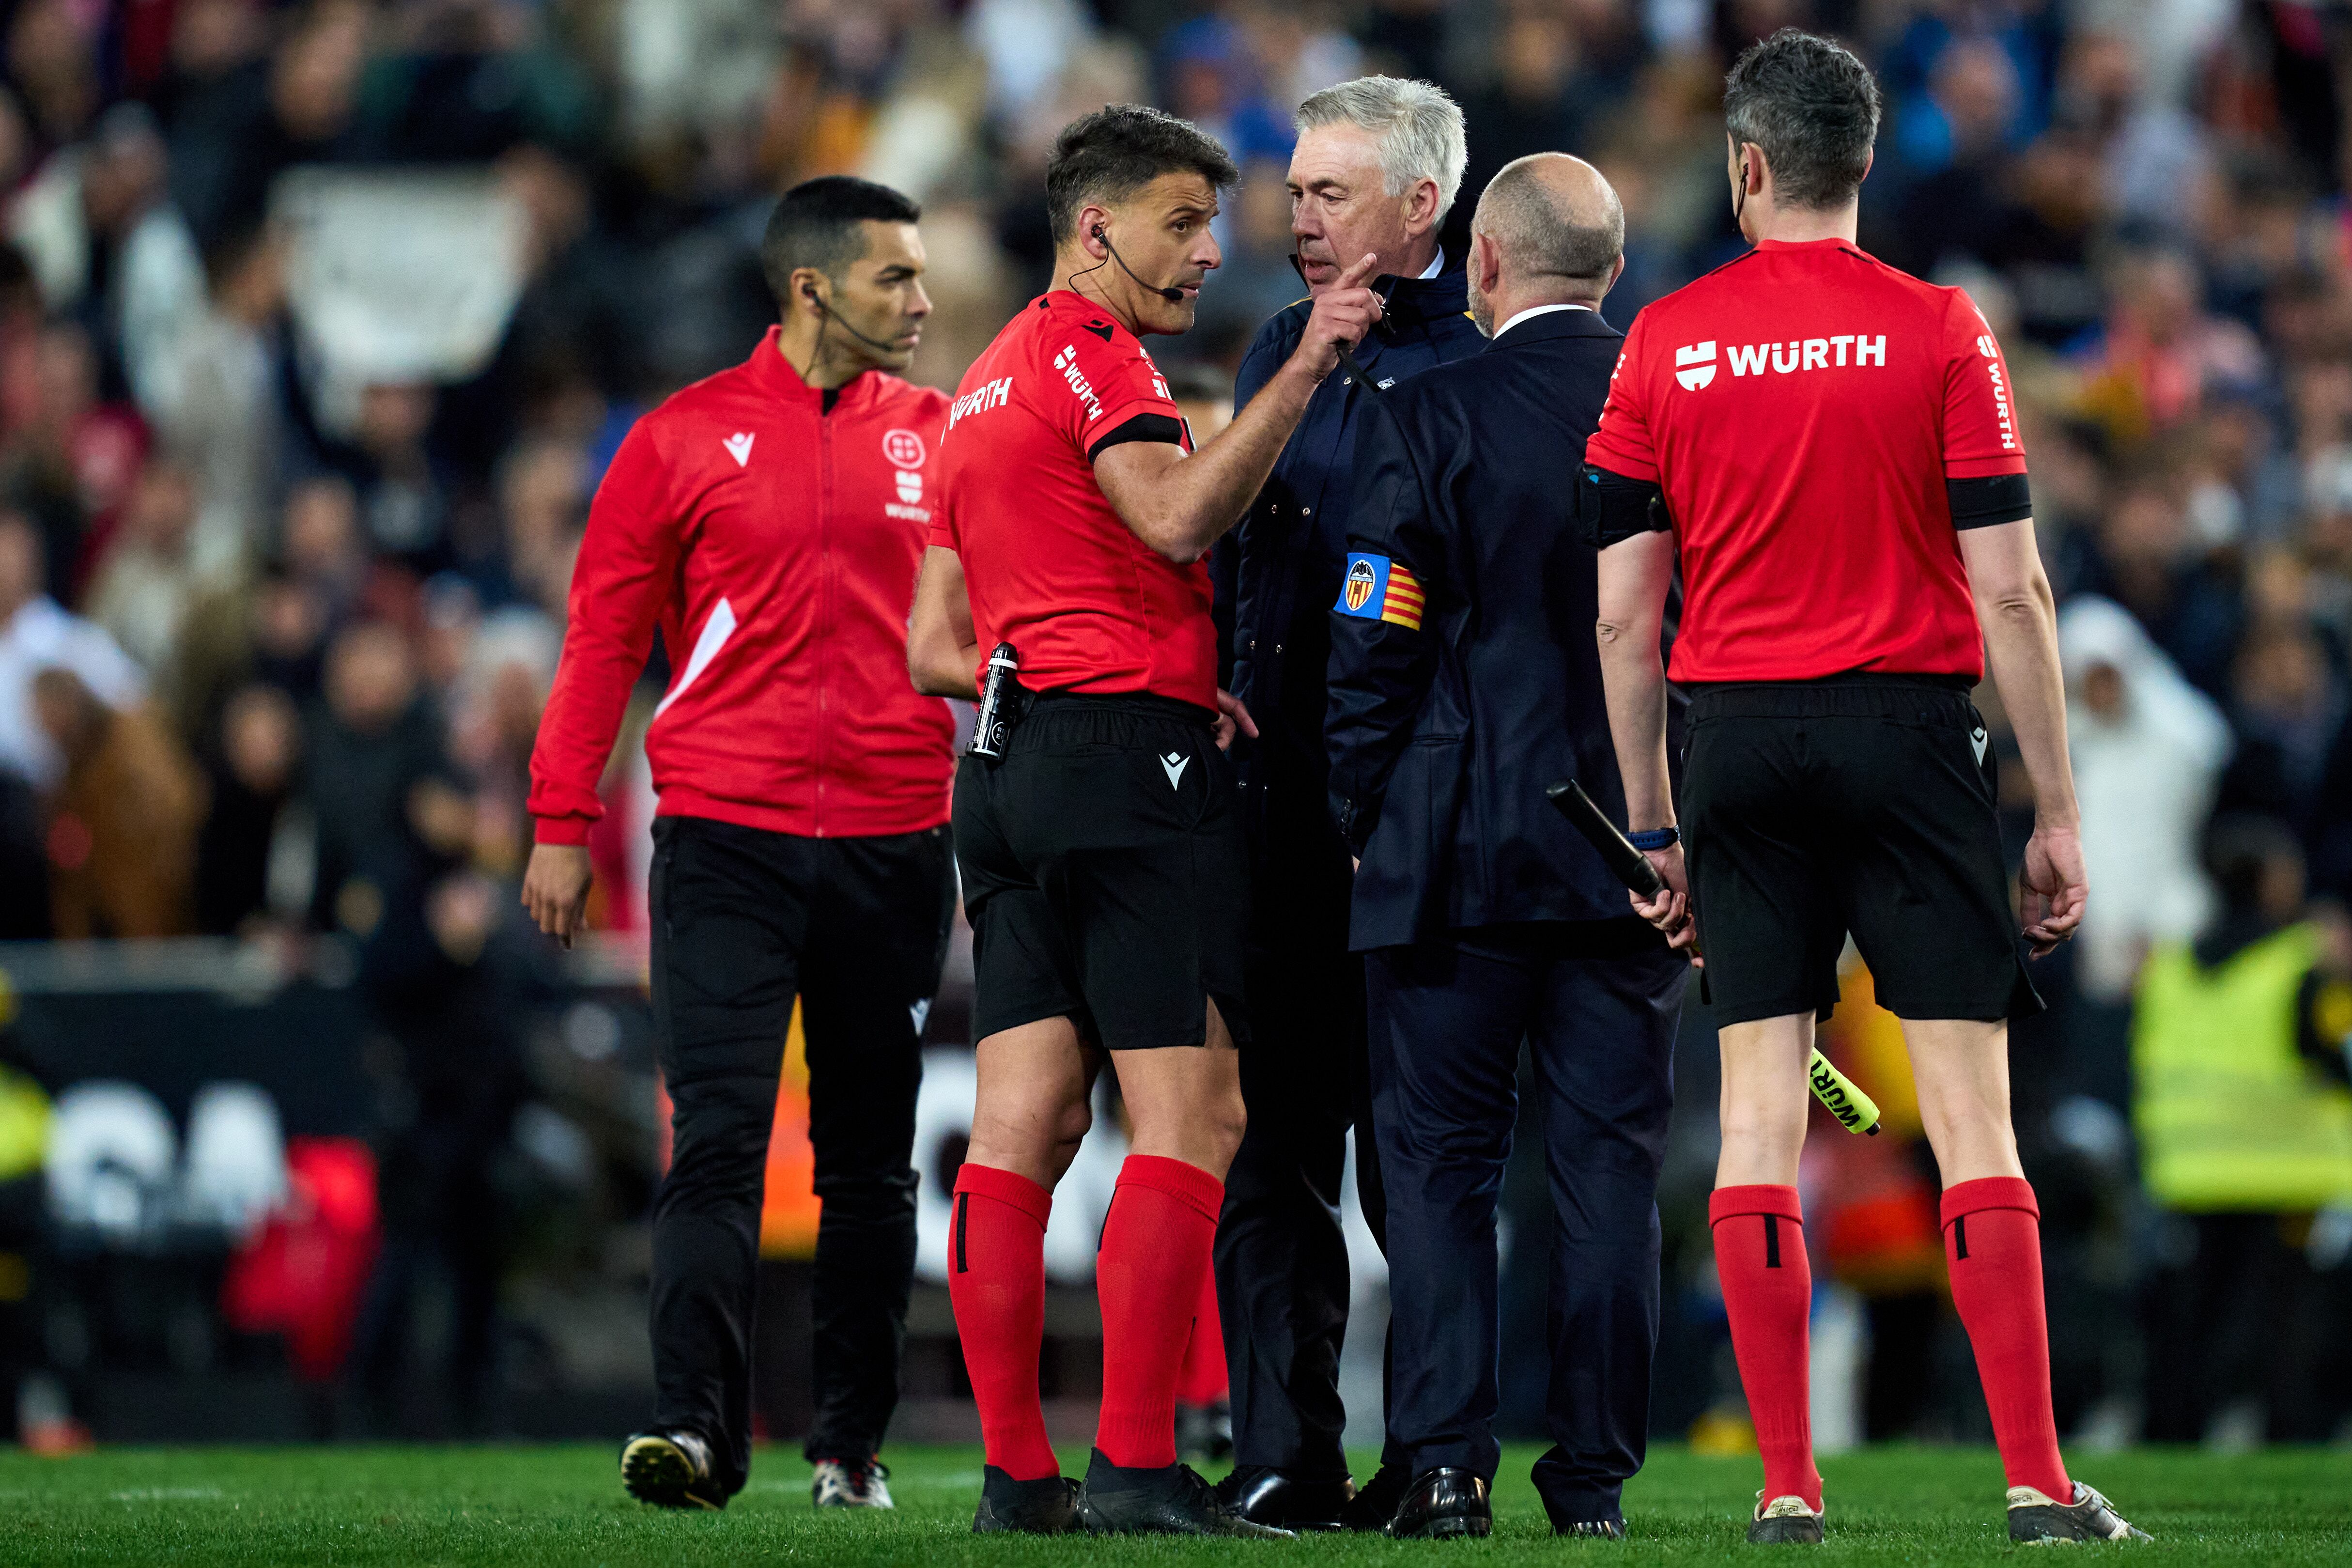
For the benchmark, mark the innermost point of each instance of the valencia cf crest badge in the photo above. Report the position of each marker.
(1361, 581)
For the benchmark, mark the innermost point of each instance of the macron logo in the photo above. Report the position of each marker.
(1700, 358)
(739, 446)
(1173, 764)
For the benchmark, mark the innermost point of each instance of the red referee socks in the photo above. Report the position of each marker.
(1767, 1292)
(996, 1280)
(1155, 1252)
(1203, 1380)
(1992, 1242)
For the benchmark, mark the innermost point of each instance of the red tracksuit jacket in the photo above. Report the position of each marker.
(775, 544)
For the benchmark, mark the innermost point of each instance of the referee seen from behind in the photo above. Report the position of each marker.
(1101, 850)
(1830, 448)
(769, 520)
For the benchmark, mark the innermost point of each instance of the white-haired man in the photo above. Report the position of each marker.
(1376, 166)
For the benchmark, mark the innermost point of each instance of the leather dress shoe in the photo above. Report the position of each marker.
(1171, 1499)
(1263, 1495)
(1446, 1501)
(1375, 1502)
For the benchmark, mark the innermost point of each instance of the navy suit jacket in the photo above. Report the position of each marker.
(1441, 737)
(1276, 571)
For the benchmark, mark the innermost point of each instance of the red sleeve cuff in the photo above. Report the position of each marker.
(1984, 468)
(560, 830)
(1602, 454)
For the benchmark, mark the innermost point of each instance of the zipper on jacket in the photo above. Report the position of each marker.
(823, 639)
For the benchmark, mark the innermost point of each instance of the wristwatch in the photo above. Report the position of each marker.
(1652, 840)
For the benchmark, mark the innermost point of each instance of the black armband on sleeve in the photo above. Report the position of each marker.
(1986, 502)
(1611, 509)
(1160, 428)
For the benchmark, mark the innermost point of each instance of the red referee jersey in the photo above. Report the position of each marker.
(775, 544)
(1048, 566)
(1801, 408)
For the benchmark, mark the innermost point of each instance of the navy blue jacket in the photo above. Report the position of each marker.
(1442, 737)
(1278, 570)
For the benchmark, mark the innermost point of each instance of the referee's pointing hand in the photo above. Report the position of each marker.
(1344, 313)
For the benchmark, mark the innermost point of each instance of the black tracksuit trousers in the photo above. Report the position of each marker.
(743, 922)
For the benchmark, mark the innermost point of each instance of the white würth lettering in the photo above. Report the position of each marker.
(1799, 354)
(1067, 362)
(979, 399)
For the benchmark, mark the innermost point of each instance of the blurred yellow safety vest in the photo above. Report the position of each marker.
(2229, 1115)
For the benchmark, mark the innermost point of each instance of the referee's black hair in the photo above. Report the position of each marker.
(1812, 106)
(1116, 150)
(815, 224)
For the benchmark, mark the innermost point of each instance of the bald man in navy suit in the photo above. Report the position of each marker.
(1463, 679)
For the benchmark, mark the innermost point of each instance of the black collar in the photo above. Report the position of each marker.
(1553, 325)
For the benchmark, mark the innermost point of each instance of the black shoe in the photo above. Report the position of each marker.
(1171, 1502)
(1784, 1521)
(1205, 1431)
(1446, 1501)
(2036, 1518)
(1375, 1502)
(1263, 1495)
(670, 1469)
(1046, 1506)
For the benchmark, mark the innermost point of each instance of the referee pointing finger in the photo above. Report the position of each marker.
(1828, 449)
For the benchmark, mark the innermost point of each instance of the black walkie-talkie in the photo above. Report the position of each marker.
(988, 728)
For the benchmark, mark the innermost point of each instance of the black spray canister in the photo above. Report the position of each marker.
(989, 729)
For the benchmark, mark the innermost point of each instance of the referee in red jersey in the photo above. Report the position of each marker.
(1830, 448)
(769, 520)
(1102, 854)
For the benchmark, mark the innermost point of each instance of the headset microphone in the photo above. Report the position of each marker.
(827, 311)
(1173, 296)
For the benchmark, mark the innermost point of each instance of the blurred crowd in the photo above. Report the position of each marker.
(276, 622)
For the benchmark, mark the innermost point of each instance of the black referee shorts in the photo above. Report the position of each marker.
(1104, 873)
(1861, 804)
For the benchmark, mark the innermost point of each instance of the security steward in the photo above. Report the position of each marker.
(2245, 1133)
(1463, 682)
(1376, 168)
(767, 521)
(1098, 839)
(1828, 450)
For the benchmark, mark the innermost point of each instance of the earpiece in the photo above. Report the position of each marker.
(1173, 296)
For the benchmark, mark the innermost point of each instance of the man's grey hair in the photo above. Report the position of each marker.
(1537, 239)
(1416, 126)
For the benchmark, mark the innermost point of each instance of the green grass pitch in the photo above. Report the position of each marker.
(563, 1505)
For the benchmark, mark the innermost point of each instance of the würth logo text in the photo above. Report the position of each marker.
(1695, 365)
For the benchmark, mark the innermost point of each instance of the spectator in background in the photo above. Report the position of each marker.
(123, 817)
(2144, 558)
(380, 784)
(106, 244)
(2245, 1130)
(2160, 352)
(256, 818)
(213, 392)
(451, 991)
(323, 548)
(2287, 709)
(149, 578)
(2146, 750)
(403, 496)
(35, 633)
(72, 464)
